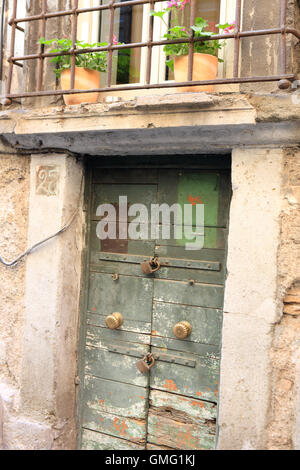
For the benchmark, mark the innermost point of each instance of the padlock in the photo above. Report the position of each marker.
(146, 267)
(151, 266)
(142, 366)
(145, 364)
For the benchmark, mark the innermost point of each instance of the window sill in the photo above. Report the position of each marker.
(114, 96)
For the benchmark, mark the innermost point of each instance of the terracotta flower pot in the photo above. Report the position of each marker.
(85, 79)
(205, 68)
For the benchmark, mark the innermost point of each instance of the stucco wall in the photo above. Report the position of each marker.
(39, 301)
(14, 190)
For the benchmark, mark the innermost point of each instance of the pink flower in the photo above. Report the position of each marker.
(183, 3)
(115, 41)
(173, 3)
(230, 28)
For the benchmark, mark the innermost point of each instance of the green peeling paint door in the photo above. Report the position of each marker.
(174, 406)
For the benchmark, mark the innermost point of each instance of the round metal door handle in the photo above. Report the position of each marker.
(114, 321)
(182, 329)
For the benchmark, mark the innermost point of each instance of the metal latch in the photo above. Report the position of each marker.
(165, 357)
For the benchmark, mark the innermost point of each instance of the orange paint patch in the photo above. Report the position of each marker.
(199, 394)
(154, 333)
(142, 398)
(185, 440)
(94, 309)
(171, 386)
(197, 403)
(101, 402)
(120, 426)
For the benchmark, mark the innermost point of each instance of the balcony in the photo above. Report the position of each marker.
(152, 73)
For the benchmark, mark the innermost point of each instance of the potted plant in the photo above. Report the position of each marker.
(205, 58)
(88, 68)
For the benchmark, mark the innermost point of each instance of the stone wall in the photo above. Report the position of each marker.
(284, 414)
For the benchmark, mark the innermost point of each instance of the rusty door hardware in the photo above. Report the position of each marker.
(181, 360)
(165, 357)
(164, 262)
(182, 329)
(114, 321)
(145, 364)
(151, 266)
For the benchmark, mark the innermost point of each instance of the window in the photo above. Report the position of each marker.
(129, 67)
(131, 25)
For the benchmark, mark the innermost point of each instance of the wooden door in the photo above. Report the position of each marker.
(174, 406)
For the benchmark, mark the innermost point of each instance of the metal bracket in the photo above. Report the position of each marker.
(171, 358)
(164, 262)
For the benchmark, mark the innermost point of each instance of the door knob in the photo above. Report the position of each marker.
(182, 329)
(114, 321)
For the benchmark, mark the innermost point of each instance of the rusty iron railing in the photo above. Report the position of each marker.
(283, 30)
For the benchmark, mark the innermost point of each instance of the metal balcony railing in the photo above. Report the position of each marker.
(283, 30)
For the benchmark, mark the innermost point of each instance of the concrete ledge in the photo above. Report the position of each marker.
(182, 123)
(181, 140)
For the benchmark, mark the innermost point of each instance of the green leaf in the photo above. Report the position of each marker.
(170, 64)
(90, 60)
(223, 26)
(159, 14)
(201, 22)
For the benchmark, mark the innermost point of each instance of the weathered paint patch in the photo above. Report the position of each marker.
(101, 336)
(108, 365)
(96, 441)
(126, 428)
(119, 399)
(190, 381)
(178, 431)
(198, 295)
(197, 410)
(130, 326)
